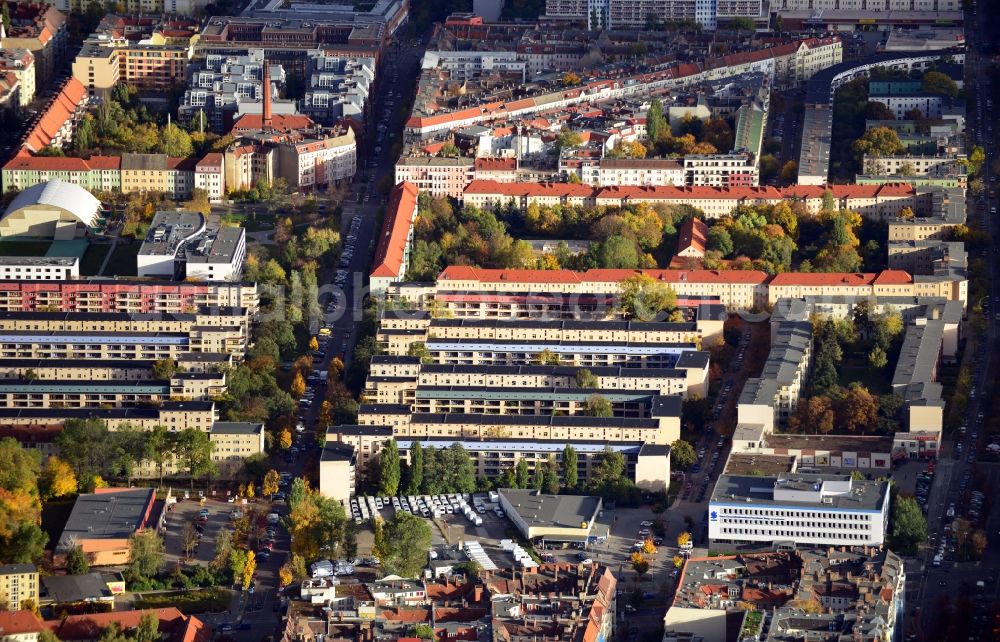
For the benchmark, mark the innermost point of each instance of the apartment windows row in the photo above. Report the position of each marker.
(797, 535)
(830, 523)
(766, 512)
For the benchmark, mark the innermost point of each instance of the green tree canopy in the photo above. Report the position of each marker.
(936, 82)
(146, 556)
(879, 141)
(388, 465)
(909, 528)
(682, 453)
(405, 542)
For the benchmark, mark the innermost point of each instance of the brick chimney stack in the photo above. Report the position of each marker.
(266, 119)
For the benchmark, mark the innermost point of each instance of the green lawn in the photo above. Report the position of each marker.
(10, 247)
(92, 259)
(122, 262)
(209, 600)
(856, 368)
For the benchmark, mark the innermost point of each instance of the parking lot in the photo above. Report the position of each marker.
(187, 512)
(648, 593)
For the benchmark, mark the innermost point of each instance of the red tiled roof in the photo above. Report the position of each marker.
(105, 162)
(60, 111)
(693, 234)
(280, 123)
(832, 279)
(406, 615)
(17, 622)
(174, 624)
(496, 164)
(47, 164)
(700, 192)
(467, 273)
(210, 160)
(395, 230)
(893, 277)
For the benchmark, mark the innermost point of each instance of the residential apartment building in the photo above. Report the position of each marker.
(19, 586)
(41, 29)
(218, 320)
(872, 201)
(309, 162)
(39, 268)
(149, 296)
(399, 332)
(771, 397)
(45, 393)
(10, 92)
(145, 52)
(224, 83)
(930, 105)
(817, 128)
(84, 335)
(799, 509)
(647, 464)
(97, 173)
(661, 426)
(93, 370)
(621, 171)
(784, 65)
(174, 415)
(233, 442)
(339, 88)
(721, 170)
(210, 175)
(396, 380)
(392, 252)
(436, 176)
(20, 63)
(861, 591)
(157, 173)
(873, 5)
(736, 290)
(337, 470)
(56, 125)
(619, 14)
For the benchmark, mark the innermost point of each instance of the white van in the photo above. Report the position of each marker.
(322, 568)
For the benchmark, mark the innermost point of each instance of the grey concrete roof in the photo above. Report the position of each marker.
(918, 356)
(752, 490)
(236, 428)
(565, 511)
(107, 515)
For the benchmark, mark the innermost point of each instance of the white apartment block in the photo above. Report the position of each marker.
(39, 268)
(930, 105)
(210, 175)
(721, 170)
(624, 14)
(799, 509)
(436, 176)
(869, 5)
(338, 87)
(322, 161)
(607, 172)
(466, 65)
(918, 165)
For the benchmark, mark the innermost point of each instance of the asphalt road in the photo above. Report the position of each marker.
(946, 595)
